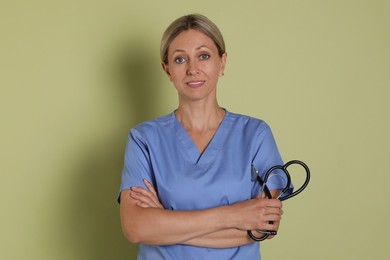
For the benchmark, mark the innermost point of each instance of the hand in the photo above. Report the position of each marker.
(275, 194)
(258, 213)
(146, 198)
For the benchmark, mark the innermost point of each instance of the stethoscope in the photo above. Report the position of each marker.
(263, 185)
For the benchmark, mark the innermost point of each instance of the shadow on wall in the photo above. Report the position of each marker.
(93, 221)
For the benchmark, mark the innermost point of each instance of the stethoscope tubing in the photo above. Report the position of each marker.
(263, 184)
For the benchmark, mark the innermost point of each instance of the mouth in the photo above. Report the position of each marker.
(195, 83)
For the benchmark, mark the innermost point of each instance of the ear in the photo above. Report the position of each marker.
(223, 64)
(165, 67)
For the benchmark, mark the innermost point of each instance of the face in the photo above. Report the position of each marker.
(194, 66)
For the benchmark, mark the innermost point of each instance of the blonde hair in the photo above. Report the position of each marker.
(193, 21)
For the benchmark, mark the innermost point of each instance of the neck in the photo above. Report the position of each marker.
(200, 117)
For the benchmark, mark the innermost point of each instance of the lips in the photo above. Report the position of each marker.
(195, 83)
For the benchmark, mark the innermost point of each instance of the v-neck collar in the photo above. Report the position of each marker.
(193, 155)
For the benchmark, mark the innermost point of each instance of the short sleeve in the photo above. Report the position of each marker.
(268, 156)
(137, 166)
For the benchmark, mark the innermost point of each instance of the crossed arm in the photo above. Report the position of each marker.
(144, 220)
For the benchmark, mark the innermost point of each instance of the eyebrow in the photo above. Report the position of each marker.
(202, 46)
(197, 48)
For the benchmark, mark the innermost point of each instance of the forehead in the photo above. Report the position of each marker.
(191, 39)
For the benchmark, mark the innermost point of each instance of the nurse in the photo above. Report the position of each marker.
(187, 190)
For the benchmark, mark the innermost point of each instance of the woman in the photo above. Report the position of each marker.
(187, 190)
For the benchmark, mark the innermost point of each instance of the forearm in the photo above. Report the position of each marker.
(223, 239)
(143, 223)
(228, 237)
(165, 227)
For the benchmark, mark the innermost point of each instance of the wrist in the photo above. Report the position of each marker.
(228, 217)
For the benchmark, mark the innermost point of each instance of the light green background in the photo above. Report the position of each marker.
(76, 75)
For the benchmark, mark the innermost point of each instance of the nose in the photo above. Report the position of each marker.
(192, 68)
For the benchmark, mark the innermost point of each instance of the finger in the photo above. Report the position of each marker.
(273, 211)
(142, 198)
(269, 226)
(269, 222)
(146, 196)
(144, 192)
(276, 224)
(151, 193)
(271, 203)
(272, 219)
(140, 190)
(150, 187)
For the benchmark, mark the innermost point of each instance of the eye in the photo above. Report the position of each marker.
(204, 56)
(180, 60)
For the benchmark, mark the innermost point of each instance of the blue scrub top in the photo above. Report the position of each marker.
(162, 152)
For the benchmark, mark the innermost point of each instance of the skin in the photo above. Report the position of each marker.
(194, 68)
